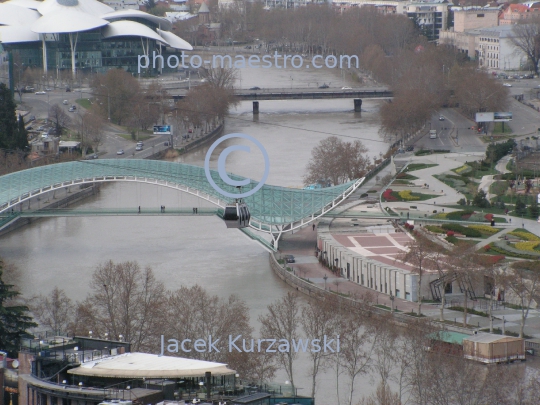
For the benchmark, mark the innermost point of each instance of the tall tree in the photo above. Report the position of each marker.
(14, 318)
(54, 311)
(281, 323)
(10, 133)
(59, 117)
(527, 39)
(523, 280)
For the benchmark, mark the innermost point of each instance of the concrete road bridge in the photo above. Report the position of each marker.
(273, 209)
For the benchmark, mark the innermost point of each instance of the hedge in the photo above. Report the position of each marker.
(485, 228)
(406, 195)
(472, 233)
(528, 246)
(525, 235)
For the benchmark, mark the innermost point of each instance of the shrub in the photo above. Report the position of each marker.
(462, 201)
(407, 196)
(471, 233)
(487, 248)
(458, 215)
(452, 239)
(434, 229)
(525, 235)
(450, 233)
(527, 246)
(488, 217)
(485, 229)
(387, 195)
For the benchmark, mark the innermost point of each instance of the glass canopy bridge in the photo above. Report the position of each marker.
(274, 210)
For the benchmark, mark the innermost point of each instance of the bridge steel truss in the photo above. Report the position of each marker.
(274, 209)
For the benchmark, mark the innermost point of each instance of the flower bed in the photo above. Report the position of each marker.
(525, 235)
(463, 169)
(529, 246)
(388, 195)
(434, 229)
(407, 195)
(472, 233)
(485, 229)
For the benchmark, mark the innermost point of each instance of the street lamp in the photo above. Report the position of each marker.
(108, 100)
(325, 278)
(392, 302)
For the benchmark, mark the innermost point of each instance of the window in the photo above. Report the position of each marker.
(479, 15)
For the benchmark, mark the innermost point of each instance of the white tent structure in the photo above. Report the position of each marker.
(28, 21)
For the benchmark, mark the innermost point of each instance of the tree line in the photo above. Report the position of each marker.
(127, 302)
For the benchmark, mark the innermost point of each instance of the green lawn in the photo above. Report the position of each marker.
(502, 128)
(419, 166)
(84, 103)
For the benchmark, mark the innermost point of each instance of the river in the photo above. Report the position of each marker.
(189, 250)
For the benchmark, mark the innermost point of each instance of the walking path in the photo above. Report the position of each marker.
(302, 245)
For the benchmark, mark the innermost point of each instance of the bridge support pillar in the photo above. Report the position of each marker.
(357, 105)
(255, 107)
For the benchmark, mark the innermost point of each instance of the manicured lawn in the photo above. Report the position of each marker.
(499, 128)
(419, 166)
(84, 103)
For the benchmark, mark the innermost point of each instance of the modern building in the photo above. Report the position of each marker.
(84, 35)
(431, 18)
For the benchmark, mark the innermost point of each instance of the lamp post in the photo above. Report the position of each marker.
(325, 278)
(108, 101)
(392, 302)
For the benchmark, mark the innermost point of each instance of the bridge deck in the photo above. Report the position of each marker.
(298, 95)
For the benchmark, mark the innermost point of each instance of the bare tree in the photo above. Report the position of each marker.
(54, 311)
(418, 256)
(523, 279)
(319, 321)
(281, 323)
(527, 39)
(59, 117)
(126, 300)
(337, 160)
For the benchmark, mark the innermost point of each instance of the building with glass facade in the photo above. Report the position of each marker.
(85, 35)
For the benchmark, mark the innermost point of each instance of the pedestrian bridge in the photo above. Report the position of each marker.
(273, 209)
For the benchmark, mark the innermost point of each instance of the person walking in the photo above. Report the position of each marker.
(139, 209)
(313, 226)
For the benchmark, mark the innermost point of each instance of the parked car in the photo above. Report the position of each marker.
(289, 259)
(48, 89)
(65, 102)
(68, 90)
(410, 148)
(507, 85)
(71, 109)
(247, 47)
(120, 152)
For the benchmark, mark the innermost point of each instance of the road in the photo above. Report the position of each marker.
(453, 134)
(39, 106)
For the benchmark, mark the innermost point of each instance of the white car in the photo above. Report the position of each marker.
(139, 147)
(507, 85)
(41, 92)
(65, 102)
(120, 152)
(346, 88)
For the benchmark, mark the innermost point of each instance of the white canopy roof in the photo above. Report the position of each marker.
(14, 34)
(128, 13)
(92, 7)
(175, 41)
(31, 4)
(16, 15)
(138, 365)
(67, 20)
(131, 28)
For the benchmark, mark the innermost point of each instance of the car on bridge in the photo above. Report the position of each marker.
(346, 88)
(324, 86)
(255, 88)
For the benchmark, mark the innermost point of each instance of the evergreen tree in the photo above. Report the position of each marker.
(14, 320)
(480, 200)
(8, 120)
(533, 208)
(21, 141)
(520, 206)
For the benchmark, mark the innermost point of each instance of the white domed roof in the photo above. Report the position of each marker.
(16, 15)
(175, 41)
(130, 28)
(66, 21)
(127, 13)
(92, 7)
(15, 34)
